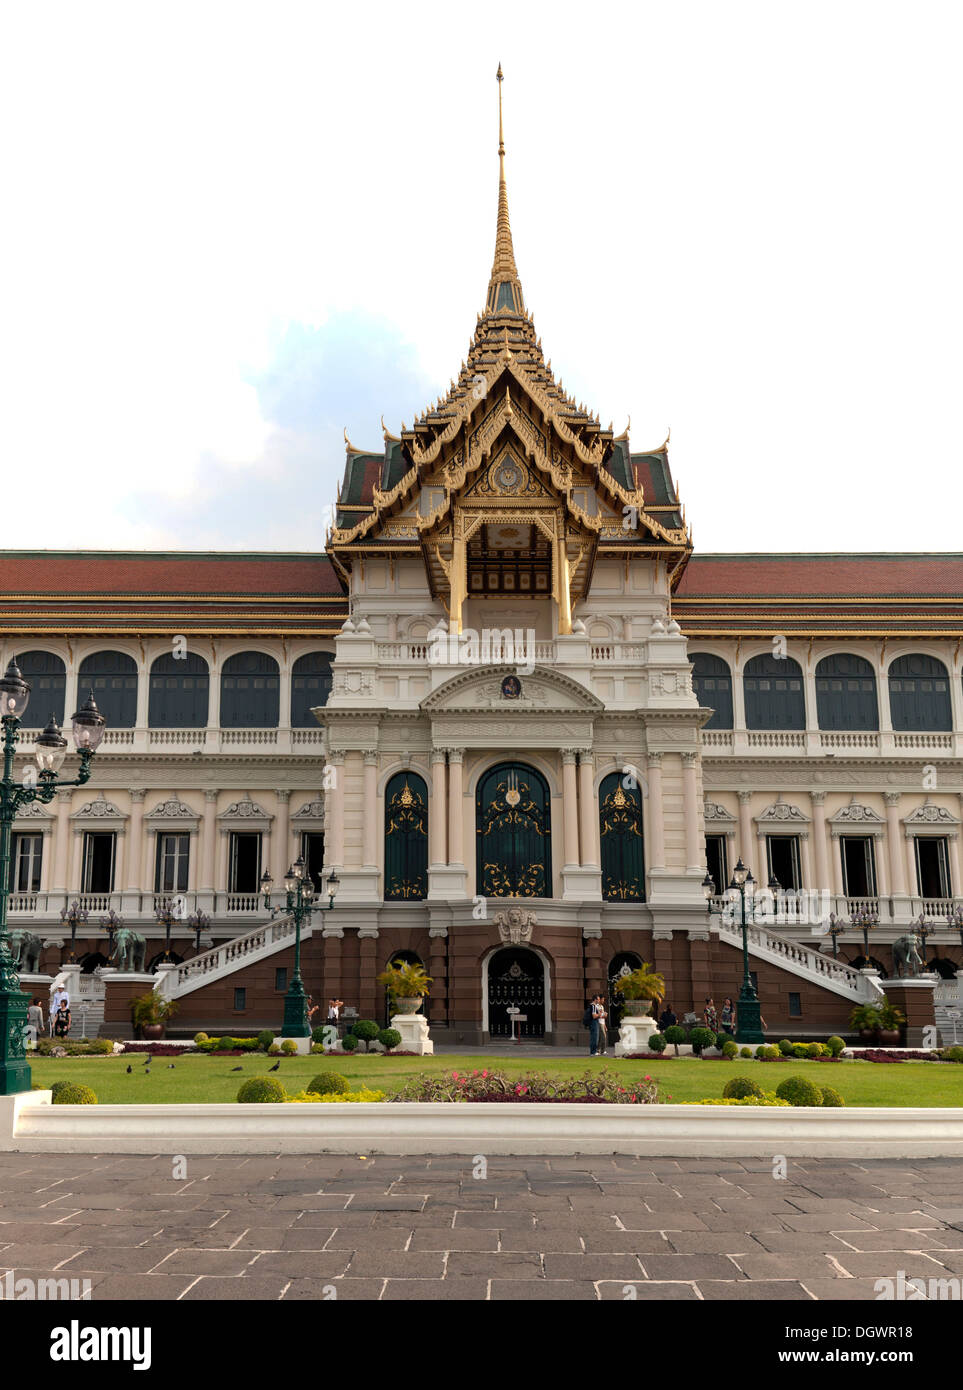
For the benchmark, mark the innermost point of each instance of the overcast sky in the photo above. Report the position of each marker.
(231, 230)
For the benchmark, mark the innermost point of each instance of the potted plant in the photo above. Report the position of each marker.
(891, 1020)
(639, 988)
(406, 984)
(865, 1019)
(150, 1013)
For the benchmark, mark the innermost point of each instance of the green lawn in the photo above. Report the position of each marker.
(216, 1078)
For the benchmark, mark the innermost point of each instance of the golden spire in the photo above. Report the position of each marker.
(504, 287)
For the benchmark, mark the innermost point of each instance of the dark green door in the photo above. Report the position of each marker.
(513, 833)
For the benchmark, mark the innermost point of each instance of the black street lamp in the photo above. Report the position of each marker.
(111, 922)
(51, 749)
(836, 929)
(166, 916)
(748, 1017)
(73, 917)
(198, 922)
(300, 900)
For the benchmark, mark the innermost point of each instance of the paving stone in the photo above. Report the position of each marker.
(142, 1287)
(308, 1264)
(387, 1203)
(752, 1290)
(36, 1232)
(613, 1265)
(195, 1262)
(512, 1265)
(855, 1290)
(461, 1238)
(214, 1287)
(459, 1288)
(397, 1264)
(336, 1290)
(111, 1259)
(647, 1292)
(784, 1266)
(628, 1242)
(934, 1242)
(689, 1267)
(541, 1242)
(355, 1238)
(44, 1255)
(495, 1220)
(545, 1290)
(662, 1221)
(884, 1264)
(711, 1243)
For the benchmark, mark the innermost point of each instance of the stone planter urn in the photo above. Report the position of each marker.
(868, 1037)
(153, 1031)
(411, 1005)
(636, 1008)
(889, 1037)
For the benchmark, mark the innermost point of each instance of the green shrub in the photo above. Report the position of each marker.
(722, 1039)
(200, 1038)
(800, 1050)
(771, 1052)
(389, 1038)
(70, 1093)
(349, 1042)
(328, 1083)
(767, 1098)
(275, 1049)
(317, 1049)
(737, 1087)
(760, 1052)
(261, 1090)
(730, 1049)
(366, 1030)
(318, 1034)
(831, 1096)
(785, 1047)
(289, 1047)
(799, 1091)
(264, 1039)
(656, 1043)
(675, 1034)
(745, 1052)
(952, 1054)
(815, 1049)
(700, 1038)
(835, 1045)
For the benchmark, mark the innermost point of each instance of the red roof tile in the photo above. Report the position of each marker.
(830, 576)
(88, 572)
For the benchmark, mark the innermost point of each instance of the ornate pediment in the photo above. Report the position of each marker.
(173, 809)
(716, 813)
(101, 809)
(246, 810)
(501, 688)
(782, 815)
(931, 818)
(311, 810)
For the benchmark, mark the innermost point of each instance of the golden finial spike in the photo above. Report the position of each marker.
(504, 269)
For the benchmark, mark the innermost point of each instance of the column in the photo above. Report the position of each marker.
(694, 851)
(135, 843)
(956, 886)
(61, 844)
(569, 806)
(805, 849)
(437, 852)
(656, 825)
(822, 883)
(746, 847)
(456, 809)
(894, 836)
(334, 809)
(911, 878)
(370, 1004)
(143, 695)
(279, 841)
(837, 865)
(881, 861)
(588, 815)
(371, 821)
(208, 832)
(76, 861)
(284, 696)
(438, 1011)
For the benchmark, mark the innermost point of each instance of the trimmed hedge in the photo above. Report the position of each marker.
(389, 1038)
(349, 1042)
(261, 1090)
(328, 1083)
(657, 1043)
(831, 1096)
(739, 1087)
(71, 1093)
(798, 1090)
(366, 1029)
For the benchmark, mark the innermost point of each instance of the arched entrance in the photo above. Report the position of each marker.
(161, 959)
(92, 962)
(861, 962)
(943, 966)
(622, 964)
(513, 833)
(516, 979)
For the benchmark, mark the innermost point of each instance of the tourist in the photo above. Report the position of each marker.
(590, 1022)
(59, 996)
(709, 1016)
(602, 1035)
(728, 1016)
(34, 1020)
(667, 1018)
(61, 1026)
(312, 1010)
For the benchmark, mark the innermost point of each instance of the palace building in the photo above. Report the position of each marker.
(507, 682)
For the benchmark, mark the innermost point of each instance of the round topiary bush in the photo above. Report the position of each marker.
(722, 1039)
(760, 1052)
(349, 1042)
(831, 1096)
(318, 1034)
(200, 1038)
(675, 1034)
(771, 1052)
(275, 1049)
(730, 1049)
(261, 1090)
(799, 1091)
(815, 1049)
(101, 1047)
(656, 1043)
(745, 1052)
(800, 1050)
(289, 1047)
(952, 1054)
(835, 1045)
(366, 1030)
(71, 1093)
(329, 1083)
(264, 1039)
(389, 1038)
(785, 1047)
(738, 1087)
(700, 1038)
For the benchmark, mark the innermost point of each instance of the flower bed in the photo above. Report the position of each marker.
(489, 1086)
(880, 1054)
(160, 1049)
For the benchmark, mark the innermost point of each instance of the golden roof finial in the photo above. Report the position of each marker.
(504, 287)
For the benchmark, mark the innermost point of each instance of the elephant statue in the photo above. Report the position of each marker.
(907, 957)
(130, 949)
(26, 950)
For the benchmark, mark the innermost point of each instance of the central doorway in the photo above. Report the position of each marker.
(516, 979)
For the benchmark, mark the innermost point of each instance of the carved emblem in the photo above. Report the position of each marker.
(515, 926)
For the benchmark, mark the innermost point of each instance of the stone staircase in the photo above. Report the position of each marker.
(223, 960)
(803, 961)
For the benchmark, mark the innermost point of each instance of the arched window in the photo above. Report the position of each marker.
(712, 681)
(846, 693)
(620, 837)
(406, 837)
(513, 833)
(310, 686)
(919, 694)
(250, 691)
(47, 677)
(112, 677)
(178, 692)
(773, 689)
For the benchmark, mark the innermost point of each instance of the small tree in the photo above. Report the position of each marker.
(675, 1034)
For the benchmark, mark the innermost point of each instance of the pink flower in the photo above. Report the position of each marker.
(484, 1073)
(454, 1076)
(646, 1078)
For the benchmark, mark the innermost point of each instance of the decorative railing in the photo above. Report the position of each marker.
(801, 959)
(229, 955)
(717, 738)
(917, 740)
(848, 740)
(775, 738)
(243, 902)
(249, 736)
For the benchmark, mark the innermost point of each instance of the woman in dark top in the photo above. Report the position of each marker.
(62, 1022)
(728, 1016)
(667, 1018)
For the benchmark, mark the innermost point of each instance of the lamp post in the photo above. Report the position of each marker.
(865, 918)
(923, 930)
(836, 929)
(300, 900)
(51, 749)
(198, 922)
(165, 917)
(111, 922)
(748, 1018)
(73, 916)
